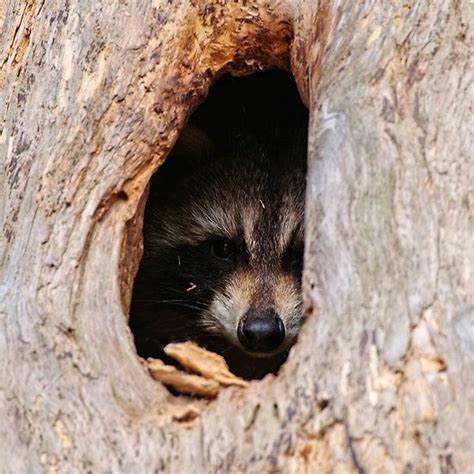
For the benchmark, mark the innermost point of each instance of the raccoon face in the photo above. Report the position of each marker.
(257, 306)
(223, 257)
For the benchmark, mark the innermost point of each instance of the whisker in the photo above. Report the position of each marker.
(193, 294)
(183, 304)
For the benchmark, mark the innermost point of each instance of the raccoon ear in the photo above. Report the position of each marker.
(193, 145)
(191, 150)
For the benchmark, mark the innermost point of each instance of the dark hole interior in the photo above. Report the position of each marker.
(224, 229)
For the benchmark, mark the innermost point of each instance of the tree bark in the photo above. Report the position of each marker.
(93, 95)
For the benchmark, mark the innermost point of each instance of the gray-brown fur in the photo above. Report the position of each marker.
(252, 195)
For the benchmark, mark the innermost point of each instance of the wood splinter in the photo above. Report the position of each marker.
(213, 371)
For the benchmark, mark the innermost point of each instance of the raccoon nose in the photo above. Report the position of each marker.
(261, 331)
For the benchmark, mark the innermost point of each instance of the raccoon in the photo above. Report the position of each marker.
(223, 249)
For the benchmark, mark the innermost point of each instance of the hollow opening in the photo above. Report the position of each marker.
(223, 229)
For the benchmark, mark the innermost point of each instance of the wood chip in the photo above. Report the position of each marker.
(181, 381)
(208, 364)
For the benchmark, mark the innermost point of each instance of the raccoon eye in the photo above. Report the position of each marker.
(222, 249)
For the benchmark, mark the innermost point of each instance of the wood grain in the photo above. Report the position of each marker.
(92, 96)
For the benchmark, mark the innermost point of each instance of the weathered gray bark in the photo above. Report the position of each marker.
(382, 378)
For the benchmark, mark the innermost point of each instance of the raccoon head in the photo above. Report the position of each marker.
(223, 255)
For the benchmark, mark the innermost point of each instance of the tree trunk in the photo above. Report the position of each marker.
(93, 95)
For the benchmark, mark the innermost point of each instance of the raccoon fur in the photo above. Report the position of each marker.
(223, 248)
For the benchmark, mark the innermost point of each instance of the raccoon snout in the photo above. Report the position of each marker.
(261, 331)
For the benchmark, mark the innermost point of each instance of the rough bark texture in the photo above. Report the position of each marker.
(92, 97)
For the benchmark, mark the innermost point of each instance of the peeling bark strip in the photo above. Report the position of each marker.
(213, 372)
(92, 97)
